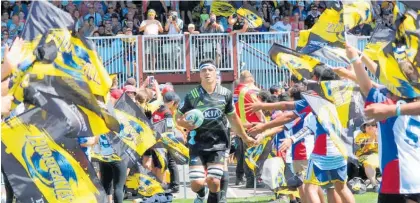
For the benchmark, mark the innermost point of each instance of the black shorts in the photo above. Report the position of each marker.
(202, 158)
(393, 198)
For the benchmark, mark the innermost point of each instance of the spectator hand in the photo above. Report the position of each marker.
(285, 144)
(6, 104)
(12, 56)
(257, 129)
(253, 107)
(380, 112)
(259, 138)
(250, 142)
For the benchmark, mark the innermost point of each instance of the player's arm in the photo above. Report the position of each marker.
(284, 105)
(362, 76)
(239, 129)
(284, 118)
(379, 111)
(236, 122)
(302, 133)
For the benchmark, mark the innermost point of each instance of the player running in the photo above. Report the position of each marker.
(208, 146)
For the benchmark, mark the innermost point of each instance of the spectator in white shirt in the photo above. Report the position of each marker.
(97, 18)
(174, 24)
(151, 26)
(280, 26)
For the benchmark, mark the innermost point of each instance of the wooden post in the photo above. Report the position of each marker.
(187, 57)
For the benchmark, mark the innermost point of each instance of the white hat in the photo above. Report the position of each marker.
(301, 3)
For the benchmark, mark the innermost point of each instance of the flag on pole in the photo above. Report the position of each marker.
(43, 164)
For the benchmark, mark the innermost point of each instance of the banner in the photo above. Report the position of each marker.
(106, 148)
(43, 165)
(300, 65)
(136, 130)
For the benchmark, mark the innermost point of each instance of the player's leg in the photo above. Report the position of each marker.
(224, 183)
(300, 167)
(197, 176)
(215, 162)
(339, 177)
(313, 180)
(332, 195)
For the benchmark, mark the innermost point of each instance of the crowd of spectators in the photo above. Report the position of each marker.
(110, 18)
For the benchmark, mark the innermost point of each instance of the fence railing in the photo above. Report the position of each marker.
(163, 53)
(130, 56)
(119, 55)
(217, 46)
(253, 56)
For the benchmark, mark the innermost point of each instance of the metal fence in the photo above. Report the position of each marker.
(216, 46)
(119, 55)
(253, 56)
(163, 53)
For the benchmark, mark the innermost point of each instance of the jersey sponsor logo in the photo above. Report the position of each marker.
(212, 113)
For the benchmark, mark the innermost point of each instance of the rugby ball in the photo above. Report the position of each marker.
(195, 117)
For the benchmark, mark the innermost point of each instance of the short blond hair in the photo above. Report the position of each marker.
(244, 75)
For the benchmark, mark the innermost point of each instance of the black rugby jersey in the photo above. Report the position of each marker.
(213, 134)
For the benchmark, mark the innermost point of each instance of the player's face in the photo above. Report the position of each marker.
(208, 75)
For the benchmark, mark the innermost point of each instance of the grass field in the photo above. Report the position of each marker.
(365, 198)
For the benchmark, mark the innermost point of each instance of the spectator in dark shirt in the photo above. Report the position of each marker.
(362, 30)
(313, 15)
(115, 24)
(101, 30)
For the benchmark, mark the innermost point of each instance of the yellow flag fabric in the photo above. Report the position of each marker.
(222, 8)
(144, 185)
(300, 65)
(356, 13)
(386, 51)
(43, 164)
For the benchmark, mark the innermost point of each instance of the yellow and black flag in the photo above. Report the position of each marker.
(43, 165)
(326, 39)
(256, 156)
(327, 116)
(300, 65)
(136, 130)
(251, 15)
(395, 69)
(60, 64)
(179, 152)
(349, 104)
